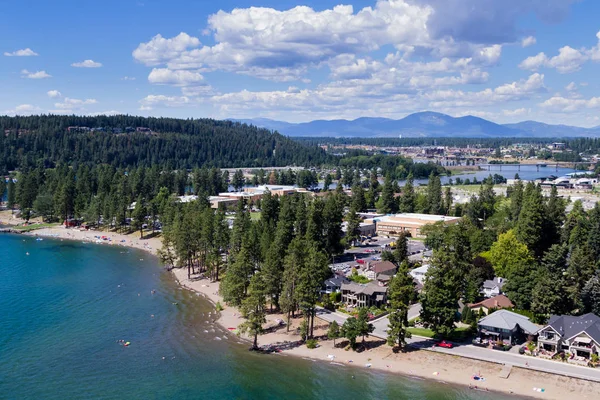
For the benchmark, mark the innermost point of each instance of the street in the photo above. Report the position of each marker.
(470, 351)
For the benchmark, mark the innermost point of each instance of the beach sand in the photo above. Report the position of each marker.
(418, 364)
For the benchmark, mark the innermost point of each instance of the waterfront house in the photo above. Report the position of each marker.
(492, 287)
(506, 326)
(372, 269)
(363, 295)
(496, 302)
(577, 335)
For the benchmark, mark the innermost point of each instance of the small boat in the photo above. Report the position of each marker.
(39, 239)
(127, 344)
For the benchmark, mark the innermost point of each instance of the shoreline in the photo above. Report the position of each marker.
(414, 364)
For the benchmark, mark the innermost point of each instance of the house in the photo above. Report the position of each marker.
(578, 335)
(334, 284)
(419, 273)
(506, 326)
(372, 269)
(492, 287)
(497, 302)
(363, 295)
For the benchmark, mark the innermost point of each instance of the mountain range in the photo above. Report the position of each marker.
(421, 124)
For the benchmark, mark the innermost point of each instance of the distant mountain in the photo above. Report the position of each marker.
(422, 124)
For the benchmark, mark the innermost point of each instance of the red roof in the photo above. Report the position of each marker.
(500, 301)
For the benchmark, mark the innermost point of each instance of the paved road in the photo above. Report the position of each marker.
(474, 352)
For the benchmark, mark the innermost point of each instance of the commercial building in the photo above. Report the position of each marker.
(409, 222)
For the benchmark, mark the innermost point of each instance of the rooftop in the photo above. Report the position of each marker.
(417, 218)
(505, 319)
(569, 326)
(500, 301)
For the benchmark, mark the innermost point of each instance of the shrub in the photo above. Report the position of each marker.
(312, 343)
(218, 306)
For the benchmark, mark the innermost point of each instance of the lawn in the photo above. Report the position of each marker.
(421, 332)
(459, 334)
(34, 227)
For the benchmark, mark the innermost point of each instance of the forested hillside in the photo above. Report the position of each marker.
(128, 141)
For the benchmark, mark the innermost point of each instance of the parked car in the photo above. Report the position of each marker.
(444, 344)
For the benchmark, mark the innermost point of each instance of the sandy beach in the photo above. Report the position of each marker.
(419, 364)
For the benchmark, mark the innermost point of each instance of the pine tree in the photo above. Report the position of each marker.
(334, 331)
(254, 310)
(401, 293)
(327, 182)
(529, 228)
(359, 201)
(434, 194)
(448, 201)
(401, 250)
(352, 228)
(11, 195)
(590, 295)
(139, 215)
(350, 330)
(363, 326)
(407, 199)
(386, 203)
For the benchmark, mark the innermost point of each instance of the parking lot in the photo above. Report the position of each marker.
(371, 251)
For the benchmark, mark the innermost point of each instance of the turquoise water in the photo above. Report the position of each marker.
(64, 306)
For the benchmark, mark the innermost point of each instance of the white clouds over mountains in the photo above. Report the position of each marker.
(388, 59)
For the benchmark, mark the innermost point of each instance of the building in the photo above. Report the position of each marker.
(577, 335)
(363, 295)
(365, 228)
(496, 302)
(506, 326)
(409, 222)
(224, 202)
(491, 288)
(334, 284)
(276, 190)
(372, 269)
(419, 273)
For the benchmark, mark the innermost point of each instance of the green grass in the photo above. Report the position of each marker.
(421, 332)
(34, 227)
(255, 216)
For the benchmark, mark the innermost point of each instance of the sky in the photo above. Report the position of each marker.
(503, 60)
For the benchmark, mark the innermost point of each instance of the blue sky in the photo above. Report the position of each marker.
(507, 61)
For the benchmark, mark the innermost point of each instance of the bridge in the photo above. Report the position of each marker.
(555, 165)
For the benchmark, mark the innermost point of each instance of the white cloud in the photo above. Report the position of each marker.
(151, 101)
(528, 41)
(165, 76)
(87, 64)
(534, 63)
(570, 105)
(159, 50)
(519, 112)
(53, 94)
(35, 75)
(128, 78)
(282, 45)
(22, 109)
(74, 104)
(21, 53)
(571, 87)
(108, 113)
(567, 60)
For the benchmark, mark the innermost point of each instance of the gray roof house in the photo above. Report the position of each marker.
(493, 287)
(334, 284)
(579, 336)
(364, 295)
(506, 326)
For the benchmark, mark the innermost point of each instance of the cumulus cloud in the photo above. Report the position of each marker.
(283, 45)
(22, 109)
(74, 104)
(489, 21)
(34, 75)
(128, 78)
(519, 112)
(53, 94)
(151, 101)
(165, 76)
(21, 53)
(528, 41)
(87, 64)
(570, 105)
(571, 87)
(567, 60)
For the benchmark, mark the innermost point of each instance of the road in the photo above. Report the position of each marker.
(473, 352)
